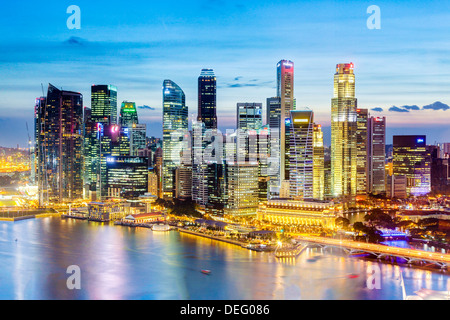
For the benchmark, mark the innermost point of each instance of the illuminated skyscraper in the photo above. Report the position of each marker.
(249, 116)
(128, 114)
(361, 151)
(343, 132)
(242, 188)
(104, 104)
(61, 145)
(318, 164)
(285, 90)
(126, 177)
(175, 127)
(301, 127)
(412, 160)
(376, 155)
(207, 99)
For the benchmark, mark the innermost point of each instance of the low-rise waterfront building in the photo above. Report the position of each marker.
(298, 213)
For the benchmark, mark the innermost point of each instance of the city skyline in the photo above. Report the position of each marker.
(400, 67)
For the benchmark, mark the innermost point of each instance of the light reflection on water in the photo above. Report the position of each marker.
(127, 263)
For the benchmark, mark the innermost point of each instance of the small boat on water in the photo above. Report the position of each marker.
(160, 227)
(352, 276)
(206, 271)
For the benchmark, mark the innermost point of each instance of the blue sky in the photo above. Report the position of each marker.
(135, 45)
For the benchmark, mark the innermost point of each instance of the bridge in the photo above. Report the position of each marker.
(380, 251)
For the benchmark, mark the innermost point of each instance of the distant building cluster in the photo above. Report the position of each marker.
(104, 153)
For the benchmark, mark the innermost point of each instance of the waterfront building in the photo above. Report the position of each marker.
(440, 171)
(183, 182)
(61, 159)
(38, 107)
(288, 212)
(207, 99)
(126, 177)
(153, 182)
(301, 126)
(376, 159)
(412, 160)
(318, 163)
(249, 116)
(175, 127)
(343, 132)
(361, 151)
(108, 211)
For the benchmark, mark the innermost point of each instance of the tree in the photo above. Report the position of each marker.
(342, 222)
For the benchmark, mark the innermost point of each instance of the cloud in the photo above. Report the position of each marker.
(146, 108)
(436, 106)
(76, 41)
(397, 109)
(238, 78)
(413, 107)
(377, 109)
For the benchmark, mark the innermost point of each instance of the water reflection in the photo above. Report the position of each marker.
(128, 263)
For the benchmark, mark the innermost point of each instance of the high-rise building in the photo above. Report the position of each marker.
(412, 160)
(207, 99)
(138, 135)
(128, 114)
(242, 189)
(361, 151)
(376, 156)
(285, 90)
(61, 146)
(38, 107)
(249, 116)
(126, 177)
(175, 126)
(273, 112)
(301, 126)
(104, 104)
(318, 164)
(343, 132)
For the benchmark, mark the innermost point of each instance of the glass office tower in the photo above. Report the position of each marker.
(249, 116)
(376, 155)
(207, 99)
(128, 114)
(301, 154)
(61, 144)
(343, 132)
(361, 151)
(104, 104)
(412, 160)
(175, 125)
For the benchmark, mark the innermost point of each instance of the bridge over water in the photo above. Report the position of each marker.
(380, 251)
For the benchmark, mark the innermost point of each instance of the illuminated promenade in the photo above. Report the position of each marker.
(410, 255)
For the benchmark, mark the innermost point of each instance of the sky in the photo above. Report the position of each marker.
(402, 69)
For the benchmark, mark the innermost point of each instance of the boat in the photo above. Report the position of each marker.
(206, 271)
(160, 227)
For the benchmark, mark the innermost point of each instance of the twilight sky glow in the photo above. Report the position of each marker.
(135, 45)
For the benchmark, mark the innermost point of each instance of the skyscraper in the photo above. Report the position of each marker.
(128, 114)
(285, 90)
(301, 154)
(175, 126)
(343, 132)
(273, 112)
(207, 99)
(104, 104)
(361, 151)
(61, 145)
(412, 160)
(376, 155)
(249, 116)
(318, 163)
